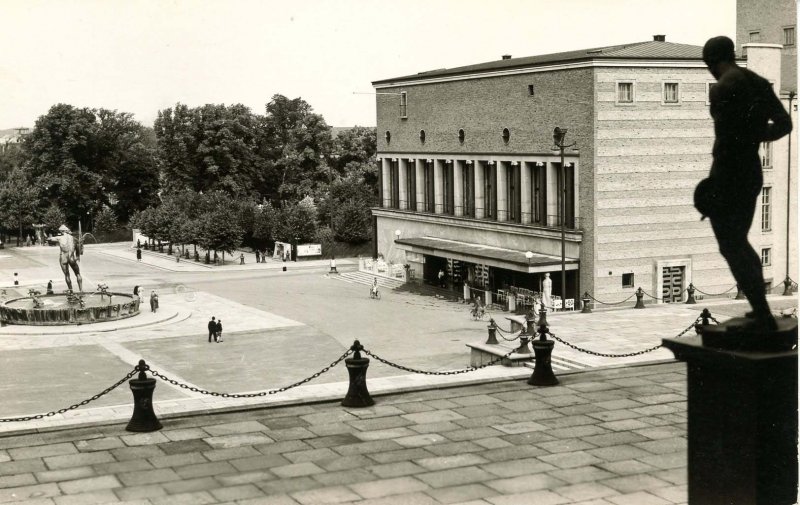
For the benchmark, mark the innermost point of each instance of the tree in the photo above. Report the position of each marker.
(265, 219)
(105, 221)
(19, 199)
(352, 222)
(296, 223)
(52, 218)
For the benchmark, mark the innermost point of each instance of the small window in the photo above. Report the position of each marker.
(671, 92)
(461, 136)
(627, 280)
(766, 257)
(755, 36)
(788, 36)
(403, 104)
(624, 92)
(766, 214)
(766, 155)
(388, 136)
(530, 90)
(506, 135)
(422, 136)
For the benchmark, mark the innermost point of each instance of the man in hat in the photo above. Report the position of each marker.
(67, 258)
(746, 112)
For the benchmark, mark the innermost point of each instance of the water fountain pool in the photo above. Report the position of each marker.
(67, 308)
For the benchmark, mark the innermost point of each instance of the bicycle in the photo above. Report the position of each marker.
(478, 314)
(374, 294)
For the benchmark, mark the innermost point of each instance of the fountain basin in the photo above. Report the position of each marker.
(55, 309)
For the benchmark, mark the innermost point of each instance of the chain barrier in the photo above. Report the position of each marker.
(502, 332)
(656, 298)
(714, 294)
(609, 303)
(74, 406)
(626, 355)
(248, 395)
(449, 372)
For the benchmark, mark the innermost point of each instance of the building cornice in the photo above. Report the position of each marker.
(597, 63)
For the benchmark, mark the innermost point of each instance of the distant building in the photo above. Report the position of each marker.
(470, 181)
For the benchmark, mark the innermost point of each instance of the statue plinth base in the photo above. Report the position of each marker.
(742, 416)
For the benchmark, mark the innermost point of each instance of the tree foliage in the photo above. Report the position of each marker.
(19, 200)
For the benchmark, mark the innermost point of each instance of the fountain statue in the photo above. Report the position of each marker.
(68, 258)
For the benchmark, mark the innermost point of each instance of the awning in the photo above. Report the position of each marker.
(497, 257)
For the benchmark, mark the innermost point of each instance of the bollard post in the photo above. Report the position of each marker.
(739, 293)
(706, 320)
(586, 299)
(787, 286)
(527, 333)
(639, 299)
(543, 315)
(16, 279)
(144, 417)
(690, 295)
(357, 393)
(492, 340)
(543, 349)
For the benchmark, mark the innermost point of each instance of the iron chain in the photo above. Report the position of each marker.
(502, 331)
(75, 406)
(715, 294)
(627, 355)
(614, 303)
(248, 395)
(449, 372)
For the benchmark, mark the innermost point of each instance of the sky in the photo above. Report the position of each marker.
(141, 56)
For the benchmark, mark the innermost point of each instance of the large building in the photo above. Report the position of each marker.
(470, 183)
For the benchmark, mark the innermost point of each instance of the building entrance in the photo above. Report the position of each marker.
(672, 285)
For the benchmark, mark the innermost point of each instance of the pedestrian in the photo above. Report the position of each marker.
(258, 257)
(441, 278)
(212, 329)
(153, 301)
(746, 112)
(241, 258)
(49, 287)
(139, 254)
(219, 330)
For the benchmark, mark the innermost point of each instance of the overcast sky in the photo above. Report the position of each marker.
(140, 56)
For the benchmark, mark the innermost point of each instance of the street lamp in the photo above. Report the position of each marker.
(397, 234)
(559, 136)
(529, 255)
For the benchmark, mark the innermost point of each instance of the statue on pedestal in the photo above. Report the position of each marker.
(547, 291)
(67, 258)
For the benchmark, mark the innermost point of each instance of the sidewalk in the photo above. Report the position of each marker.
(607, 437)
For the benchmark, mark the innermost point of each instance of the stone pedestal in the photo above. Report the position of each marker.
(742, 409)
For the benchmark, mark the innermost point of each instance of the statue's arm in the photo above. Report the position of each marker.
(780, 121)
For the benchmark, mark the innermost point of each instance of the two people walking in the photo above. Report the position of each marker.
(215, 330)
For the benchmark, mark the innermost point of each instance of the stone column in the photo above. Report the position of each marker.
(438, 185)
(420, 189)
(525, 199)
(502, 188)
(458, 187)
(480, 200)
(403, 183)
(386, 182)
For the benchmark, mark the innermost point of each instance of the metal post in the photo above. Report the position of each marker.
(690, 295)
(639, 299)
(543, 370)
(144, 417)
(792, 95)
(586, 300)
(357, 393)
(492, 340)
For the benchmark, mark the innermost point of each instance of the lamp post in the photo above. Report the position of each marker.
(559, 135)
(788, 281)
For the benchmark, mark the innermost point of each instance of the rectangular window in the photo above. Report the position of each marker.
(766, 155)
(539, 194)
(766, 257)
(403, 104)
(530, 90)
(671, 92)
(411, 185)
(489, 195)
(627, 280)
(755, 36)
(469, 189)
(788, 36)
(449, 193)
(766, 215)
(625, 92)
(430, 188)
(514, 193)
(566, 192)
(394, 174)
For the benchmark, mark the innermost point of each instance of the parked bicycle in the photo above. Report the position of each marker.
(478, 313)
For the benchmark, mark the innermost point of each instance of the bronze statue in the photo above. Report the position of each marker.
(66, 242)
(746, 112)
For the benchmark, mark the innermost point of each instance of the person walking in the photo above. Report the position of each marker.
(49, 287)
(241, 258)
(258, 257)
(219, 330)
(212, 329)
(139, 254)
(153, 301)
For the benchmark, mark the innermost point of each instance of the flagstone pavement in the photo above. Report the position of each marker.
(613, 436)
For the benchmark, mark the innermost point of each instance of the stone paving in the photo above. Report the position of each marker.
(606, 437)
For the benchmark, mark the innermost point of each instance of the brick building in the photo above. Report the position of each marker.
(470, 182)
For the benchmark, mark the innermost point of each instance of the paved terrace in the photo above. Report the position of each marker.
(613, 436)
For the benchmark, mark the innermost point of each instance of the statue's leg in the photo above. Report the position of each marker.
(65, 269)
(77, 269)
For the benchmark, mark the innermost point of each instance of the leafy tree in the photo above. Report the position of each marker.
(52, 218)
(358, 144)
(296, 223)
(352, 222)
(18, 201)
(105, 221)
(265, 220)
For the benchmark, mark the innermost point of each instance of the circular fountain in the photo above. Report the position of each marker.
(68, 308)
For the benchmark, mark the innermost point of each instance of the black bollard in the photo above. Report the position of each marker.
(690, 295)
(639, 299)
(739, 293)
(357, 393)
(492, 340)
(16, 280)
(787, 286)
(543, 368)
(144, 417)
(586, 300)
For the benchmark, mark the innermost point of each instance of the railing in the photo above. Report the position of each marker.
(482, 214)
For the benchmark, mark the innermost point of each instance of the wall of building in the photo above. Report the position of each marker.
(769, 18)
(648, 158)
